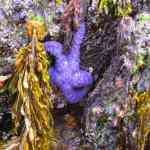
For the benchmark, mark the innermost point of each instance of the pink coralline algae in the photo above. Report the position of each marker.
(66, 73)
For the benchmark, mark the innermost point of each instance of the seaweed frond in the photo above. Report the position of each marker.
(143, 112)
(58, 2)
(33, 106)
(114, 7)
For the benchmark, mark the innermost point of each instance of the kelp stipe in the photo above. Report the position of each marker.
(72, 8)
(33, 105)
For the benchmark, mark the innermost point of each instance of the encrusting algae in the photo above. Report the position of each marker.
(33, 105)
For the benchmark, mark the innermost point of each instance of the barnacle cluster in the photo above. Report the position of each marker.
(130, 122)
(141, 80)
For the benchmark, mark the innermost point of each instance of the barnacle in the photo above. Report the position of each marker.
(33, 104)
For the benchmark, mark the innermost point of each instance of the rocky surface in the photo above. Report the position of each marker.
(106, 115)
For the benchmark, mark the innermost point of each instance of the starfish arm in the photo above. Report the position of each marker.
(77, 40)
(73, 95)
(53, 75)
(54, 48)
(76, 95)
(81, 79)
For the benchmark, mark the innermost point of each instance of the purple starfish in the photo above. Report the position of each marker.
(66, 73)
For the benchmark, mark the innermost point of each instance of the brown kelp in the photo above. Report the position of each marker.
(143, 112)
(33, 105)
(71, 10)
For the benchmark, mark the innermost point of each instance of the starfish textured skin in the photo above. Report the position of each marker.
(66, 73)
